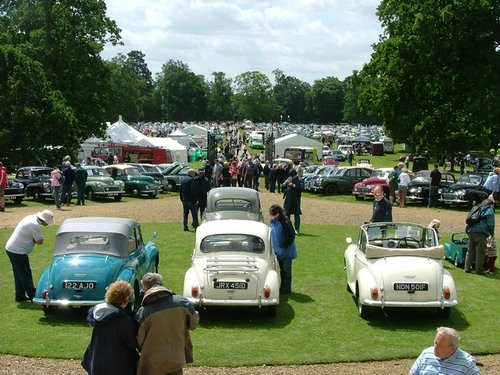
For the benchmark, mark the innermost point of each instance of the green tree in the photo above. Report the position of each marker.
(327, 99)
(253, 98)
(219, 97)
(354, 111)
(183, 93)
(291, 97)
(127, 89)
(66, 37)
(32, 114)
(437, 73)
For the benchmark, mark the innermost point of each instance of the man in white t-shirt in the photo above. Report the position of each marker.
(22, 242)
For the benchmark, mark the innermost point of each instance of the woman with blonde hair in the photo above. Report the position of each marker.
(113, 346)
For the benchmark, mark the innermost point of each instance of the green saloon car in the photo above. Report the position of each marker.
(101, 184)
(342, 181)
(136, 184)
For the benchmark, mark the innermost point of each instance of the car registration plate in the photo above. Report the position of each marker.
(79, 285)
(230, 285)
(411, 287)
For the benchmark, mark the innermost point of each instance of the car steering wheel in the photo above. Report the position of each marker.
(405, 240)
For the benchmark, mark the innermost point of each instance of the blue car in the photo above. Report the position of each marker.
(91, 253)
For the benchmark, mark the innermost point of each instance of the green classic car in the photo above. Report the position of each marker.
(342, 181)
(101, 184)
(136, 184)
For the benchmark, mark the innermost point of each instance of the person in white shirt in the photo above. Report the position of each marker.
(20, 244)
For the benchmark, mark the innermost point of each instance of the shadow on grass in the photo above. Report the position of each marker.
(66, 316)
(417, 319)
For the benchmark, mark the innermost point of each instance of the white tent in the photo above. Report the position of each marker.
(280, 144)
(121, 132)
(195, 130)
(178, 151)
(177, 133)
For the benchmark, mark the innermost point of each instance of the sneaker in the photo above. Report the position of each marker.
(296, 232)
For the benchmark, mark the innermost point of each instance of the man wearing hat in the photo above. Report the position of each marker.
(20, 244)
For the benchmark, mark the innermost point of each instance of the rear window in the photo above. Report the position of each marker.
(233, 204)
(232, 243)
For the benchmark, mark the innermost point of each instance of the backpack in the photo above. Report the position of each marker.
(289, 232)
(474, 215)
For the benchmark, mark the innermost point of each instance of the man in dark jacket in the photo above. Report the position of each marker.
(382, 207)
(81, 180)
(435, 183)
(165, 320)
(204, 187)
(67, 185)
(292, 188)
(189, 197)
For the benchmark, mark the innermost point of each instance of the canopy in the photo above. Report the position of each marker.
(178, 151)
(360, 139)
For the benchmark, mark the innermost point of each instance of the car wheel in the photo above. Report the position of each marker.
(331, 189)
(153, 194)
(359, 197)
(49, 310)
(91, 195)
(118, 197)
(135, 191)
(18, 200)
(455, 260)
(172, 186)
(363, 310)
(444, 313)
(37, 195)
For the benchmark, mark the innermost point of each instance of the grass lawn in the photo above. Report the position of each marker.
(318, 323)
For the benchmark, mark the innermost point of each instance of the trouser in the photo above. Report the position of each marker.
(475, 252)
(2, 197)
(190, 207)
(433, 195)
(296, 220)
(56, 194)
(66, 194)
(491, 264)
(23, 278)
(80, 193)
(248, 181)
(286, 275)
(201, 208)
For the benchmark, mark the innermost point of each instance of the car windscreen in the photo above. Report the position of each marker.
(234, 204)
(400, 235)
(97, 172)
(471, 179)
(232, 243)
(91, 243)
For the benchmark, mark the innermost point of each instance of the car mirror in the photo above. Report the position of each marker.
(348, 240)
(154, 236)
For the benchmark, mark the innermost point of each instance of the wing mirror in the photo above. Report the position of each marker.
(348, 240)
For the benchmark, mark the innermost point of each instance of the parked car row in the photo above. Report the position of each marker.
(114, 181)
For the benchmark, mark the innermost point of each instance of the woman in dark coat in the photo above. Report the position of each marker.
(112, 349)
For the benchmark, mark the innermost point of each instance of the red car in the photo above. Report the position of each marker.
(365, 188)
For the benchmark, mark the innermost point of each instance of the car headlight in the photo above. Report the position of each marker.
(147, 187)
(419, 190)
(460, 193)
(46, 185)
(21, 185)
(98, 184)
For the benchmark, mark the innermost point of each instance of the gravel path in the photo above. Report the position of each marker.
(315, 211)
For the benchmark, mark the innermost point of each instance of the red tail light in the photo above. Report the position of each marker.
(446, 292)
(374, 293)
(267, 291)
(195, 291)
(45, 294)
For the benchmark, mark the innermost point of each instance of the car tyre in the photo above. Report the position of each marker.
(455, 261)
(135, 191)
(359, 198)
(91, 195)
(37, 196)
(118, 197)
(363, 311)
(172, 186)
(18, 200)
(331, 189)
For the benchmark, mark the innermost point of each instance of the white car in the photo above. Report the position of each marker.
(233, 203)
(233, 264)
(398, 265)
